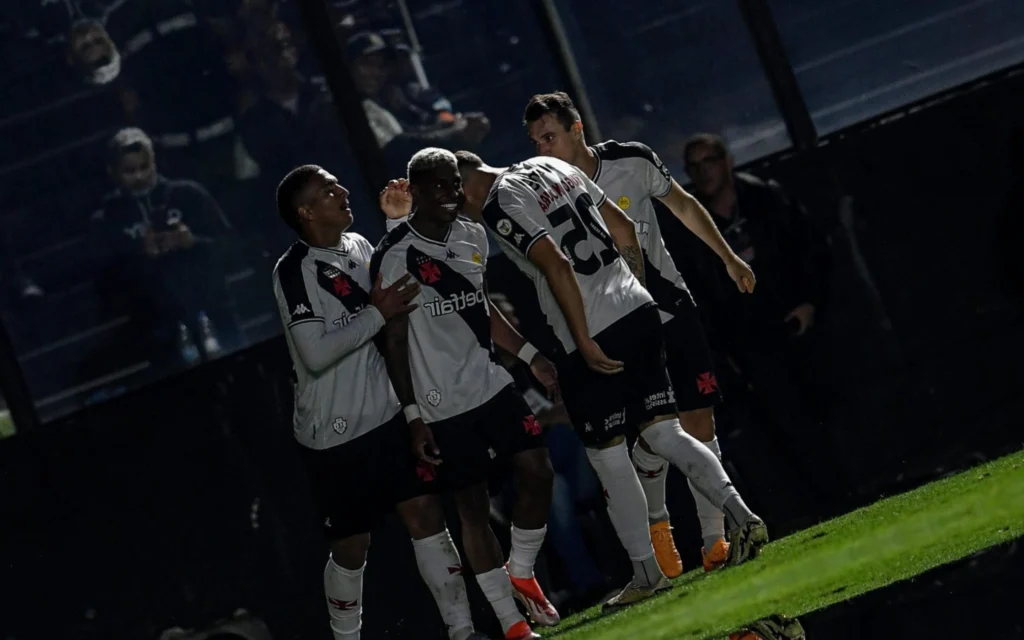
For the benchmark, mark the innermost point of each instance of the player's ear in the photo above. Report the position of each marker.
(577, 129)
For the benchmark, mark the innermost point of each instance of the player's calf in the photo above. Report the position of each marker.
(343, 585)
(667, 438)
(534, 477)
(484, 554)
(439, 563)
(700, 423)
(653, 471)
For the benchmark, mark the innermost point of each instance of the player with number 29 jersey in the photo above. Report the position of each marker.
(545, 196)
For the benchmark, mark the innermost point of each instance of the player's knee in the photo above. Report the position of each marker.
(423, 516)
(350, 553)
(534, 473)
(614, 442)
(699, 423)
(662, 433)
(474, 506)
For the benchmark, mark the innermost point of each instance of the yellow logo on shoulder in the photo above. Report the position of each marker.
(624, 202)
(476, 258)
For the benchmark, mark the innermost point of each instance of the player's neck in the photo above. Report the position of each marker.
(433, 230)
(587, 161)
(322, 238)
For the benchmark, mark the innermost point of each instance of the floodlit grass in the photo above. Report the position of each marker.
(6, 425)
(891, 540)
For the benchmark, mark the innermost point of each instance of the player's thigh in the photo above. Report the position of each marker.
(351, 493)
(594, 401)
(465, 452)
(511, 429)
(689, 363)
(648, 388)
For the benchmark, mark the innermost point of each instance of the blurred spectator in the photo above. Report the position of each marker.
(575, 487)
(404, 115)
(184, 97)
(15, 284)
(770, 337)
(288, 119)
(160, 240)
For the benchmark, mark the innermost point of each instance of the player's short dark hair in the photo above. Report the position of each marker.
(467, 161)
(557, 104)
(714, 141)
(288, 192)
(125, 141)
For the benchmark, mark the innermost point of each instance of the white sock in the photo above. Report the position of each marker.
(441, 569)
(653, 473)
(699, 465)
(627, 508)
(498, 590)
(526, 544)
(344, 589)
(712, 520)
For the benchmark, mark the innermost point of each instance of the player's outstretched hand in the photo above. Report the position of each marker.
(547, 375)
(394, 300)
(396, 199)
(741, 274)
(598, 361)
(423, 445)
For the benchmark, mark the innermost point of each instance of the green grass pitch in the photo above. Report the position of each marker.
(891, 540)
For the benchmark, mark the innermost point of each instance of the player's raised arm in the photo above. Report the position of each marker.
(696, 218)
(316, 346)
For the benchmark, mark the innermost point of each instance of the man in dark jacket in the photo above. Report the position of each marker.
(769, 337)
(162, 241)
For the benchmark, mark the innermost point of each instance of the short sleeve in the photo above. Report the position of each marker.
(295, 291)
(596, 193)
(657, 177)
(514, 215)
(480, 240)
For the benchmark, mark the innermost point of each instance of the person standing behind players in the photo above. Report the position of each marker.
(552, 221)
(633, 175)
(462, 406)
(347, 417)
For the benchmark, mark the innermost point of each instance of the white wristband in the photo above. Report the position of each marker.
(527, 353)
(412, 412)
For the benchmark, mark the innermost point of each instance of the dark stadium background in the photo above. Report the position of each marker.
(165, 496)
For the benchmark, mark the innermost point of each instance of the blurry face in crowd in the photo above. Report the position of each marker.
(370, 73)
(438, 195)
(550, 138)
(91, 48)
(279, 38)
(274, 51)
(709, 168)
(135, 172)
(325, 203)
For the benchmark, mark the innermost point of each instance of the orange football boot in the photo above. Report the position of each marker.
(665, 550)
(716, 557)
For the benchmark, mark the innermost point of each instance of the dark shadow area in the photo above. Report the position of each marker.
(974, 598)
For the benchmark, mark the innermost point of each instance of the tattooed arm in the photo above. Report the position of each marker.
(623, 233)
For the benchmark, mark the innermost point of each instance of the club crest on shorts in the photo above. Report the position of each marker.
(340, 426)
(434, 397)
(504, 226)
